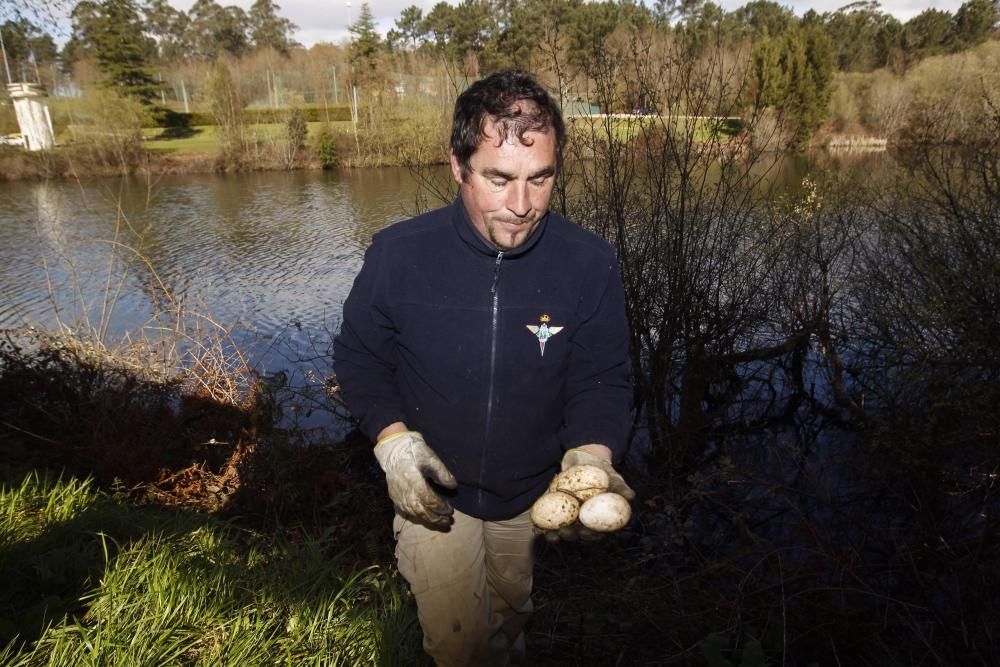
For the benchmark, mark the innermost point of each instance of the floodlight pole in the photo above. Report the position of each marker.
(6, 65)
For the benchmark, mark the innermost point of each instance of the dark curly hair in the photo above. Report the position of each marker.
(497, 99)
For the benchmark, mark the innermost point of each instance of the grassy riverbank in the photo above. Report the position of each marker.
(94, 579)
(150, 519)
(204, 139)
(143, 521)
(417, 141)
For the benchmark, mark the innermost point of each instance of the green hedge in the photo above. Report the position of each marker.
(313, 114)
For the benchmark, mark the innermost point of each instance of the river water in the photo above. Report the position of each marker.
(270, 256)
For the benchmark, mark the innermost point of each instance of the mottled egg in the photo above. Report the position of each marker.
(605, 513)
(583, 482)
(554, 510)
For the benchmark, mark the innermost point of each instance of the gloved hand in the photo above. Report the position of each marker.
(616, 484)
(571, 533)
(408, 462)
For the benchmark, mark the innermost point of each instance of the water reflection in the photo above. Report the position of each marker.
(261, 249)
(273, 253)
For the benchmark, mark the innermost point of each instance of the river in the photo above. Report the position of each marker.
(269, 253)
(270, 256)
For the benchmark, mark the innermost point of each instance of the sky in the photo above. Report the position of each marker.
(327, 20)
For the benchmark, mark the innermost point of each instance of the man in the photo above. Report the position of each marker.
(482, 343)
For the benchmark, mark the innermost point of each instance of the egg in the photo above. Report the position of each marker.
(554, 510)
(583, 482)
(605, 513)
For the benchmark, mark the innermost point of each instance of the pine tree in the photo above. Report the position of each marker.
(794, 74)
(974, 21)
(365, 45)
(112, 33)
(410, 26)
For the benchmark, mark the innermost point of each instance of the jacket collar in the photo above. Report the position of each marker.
(471, 236)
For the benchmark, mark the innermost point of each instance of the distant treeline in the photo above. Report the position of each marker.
(496, 33)
(793, 65)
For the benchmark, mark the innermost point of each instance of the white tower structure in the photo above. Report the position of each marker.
(32, 109)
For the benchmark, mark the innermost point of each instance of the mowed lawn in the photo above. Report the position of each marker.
(204, 139)
(630, 127)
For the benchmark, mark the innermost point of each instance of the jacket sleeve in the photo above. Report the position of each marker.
(598, 389)
(364, 351)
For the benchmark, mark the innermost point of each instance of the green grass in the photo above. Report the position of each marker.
(91, 579)
(204, 139)
(625, 129)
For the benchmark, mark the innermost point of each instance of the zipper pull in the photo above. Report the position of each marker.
(496, 272)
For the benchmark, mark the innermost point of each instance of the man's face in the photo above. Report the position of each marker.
(508, 186)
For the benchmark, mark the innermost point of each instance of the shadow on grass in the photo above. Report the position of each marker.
(67, 407)
(101, 460)
(177, 133)
(48, 571)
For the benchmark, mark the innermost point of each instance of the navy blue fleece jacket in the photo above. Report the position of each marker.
(501, 360)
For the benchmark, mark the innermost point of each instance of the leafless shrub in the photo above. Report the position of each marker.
(816, 375)
(682, 201)
(106, 129)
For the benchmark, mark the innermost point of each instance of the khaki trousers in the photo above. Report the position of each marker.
(472, 585)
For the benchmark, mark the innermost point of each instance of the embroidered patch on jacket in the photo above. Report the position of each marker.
(543, 331)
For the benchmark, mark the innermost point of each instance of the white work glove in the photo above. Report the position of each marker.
(616, 484)
(408, 463)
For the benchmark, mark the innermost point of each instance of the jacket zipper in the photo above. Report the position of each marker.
(495, 292)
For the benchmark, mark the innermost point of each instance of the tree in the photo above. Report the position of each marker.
(231, 31)
(705, 28)
(438, 25)
(763, 18)
(679, 210)
(84, 19)
(214, 29)
(927, 34)
(410, 26)
(534, 29)
(365, 45)
(296, 132)
(794, 74)
(863, 36)
(27, 46)
(112, 33)
(472, 31)
(819, 77)
(267, 29)
(167, 26)
(974, 21)
(467, 29)
(227, 107)
(123, 50)
(595, 21)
